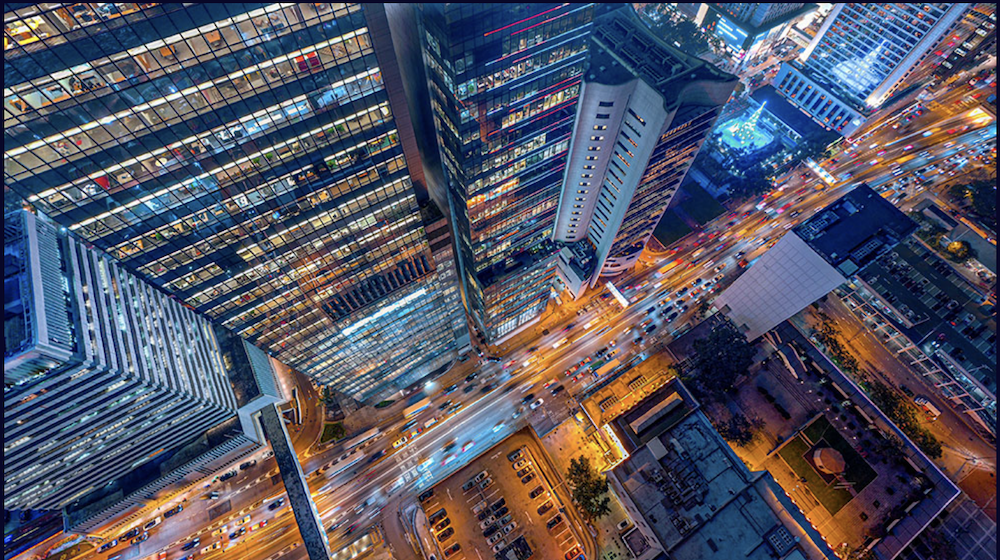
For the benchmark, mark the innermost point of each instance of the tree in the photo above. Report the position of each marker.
(984, 201)
(720, 358)
(589, 488)
(959, 251)
(740, 431)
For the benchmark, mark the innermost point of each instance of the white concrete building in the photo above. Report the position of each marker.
(645, 108)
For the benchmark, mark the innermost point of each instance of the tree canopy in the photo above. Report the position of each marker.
(720, 358)
(589, 488)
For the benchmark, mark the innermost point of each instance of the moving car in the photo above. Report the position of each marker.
(191, 544)
(537, 404)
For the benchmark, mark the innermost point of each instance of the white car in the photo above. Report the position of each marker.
(537, 404)
(498, 427)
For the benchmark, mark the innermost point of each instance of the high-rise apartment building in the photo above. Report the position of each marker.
(645, 108)
(861, 56)
(255, 160)
(505, 80)
(102, 371)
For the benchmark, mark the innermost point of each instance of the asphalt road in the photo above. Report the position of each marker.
(487, 418)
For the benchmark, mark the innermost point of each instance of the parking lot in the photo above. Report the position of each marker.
(498, 498)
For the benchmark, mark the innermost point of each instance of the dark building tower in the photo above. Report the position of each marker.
(255, 160)
(645, 109)
(505, 80)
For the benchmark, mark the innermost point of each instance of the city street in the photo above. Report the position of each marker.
(377, 483)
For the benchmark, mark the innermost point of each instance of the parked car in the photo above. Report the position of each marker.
(152, 523)
(514, 456)
(140, 538)
(551, 523)
(446, 534)
(174, 511)
(527, 479)
(545, 507)
(247, 465)
(452, 550)
(444, 523)
(227, 476)
(426, 496)
(131, 533)
(538, 491)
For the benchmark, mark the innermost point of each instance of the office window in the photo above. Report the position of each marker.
(591, 158)
(637, 117)
(586, 175)
(588, 166)
(600, 127)
(594, 149)
(603, 116)
(606, 104)
(596, 138)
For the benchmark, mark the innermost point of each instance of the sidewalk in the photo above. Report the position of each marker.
(566, 442)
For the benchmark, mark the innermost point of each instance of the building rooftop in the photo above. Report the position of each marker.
(697, 496)
(947, 312)
(792, 116)
(623, 48)
(855, 229)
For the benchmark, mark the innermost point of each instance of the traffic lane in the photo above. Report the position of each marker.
(950, 424)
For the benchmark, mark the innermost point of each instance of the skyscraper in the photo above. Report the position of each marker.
(505, 80)
(861, 56)
(255, 160)
(102, 371)
(644, 111)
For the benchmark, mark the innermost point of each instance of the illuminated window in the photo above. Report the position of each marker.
(600, 127)
(594, 149)
(596, 138)
(591, 158)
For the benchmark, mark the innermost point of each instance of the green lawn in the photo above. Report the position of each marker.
(858, 470)
(701, 206)
(332, 431)
(670, 229)
(832, 498)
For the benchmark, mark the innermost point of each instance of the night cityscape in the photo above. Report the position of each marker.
(591, 281)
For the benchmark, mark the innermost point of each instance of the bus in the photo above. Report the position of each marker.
(607, 368)
(416, 408)
(559, 343)
(354, 442)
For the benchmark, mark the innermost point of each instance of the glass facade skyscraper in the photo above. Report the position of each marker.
(255, 160)
(861, 56)
(504, 79)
